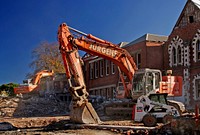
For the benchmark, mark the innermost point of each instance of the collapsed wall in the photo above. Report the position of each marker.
(52, 99)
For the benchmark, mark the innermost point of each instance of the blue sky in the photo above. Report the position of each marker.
(24, 24)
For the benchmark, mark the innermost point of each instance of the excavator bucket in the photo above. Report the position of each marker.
(84, 114)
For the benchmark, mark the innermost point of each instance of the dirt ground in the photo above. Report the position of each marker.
(60, 132)
(32, 114)
(62, 125)
(35, 115)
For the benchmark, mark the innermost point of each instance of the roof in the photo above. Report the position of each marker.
(121, 44)
(197, 3)
(148, 37)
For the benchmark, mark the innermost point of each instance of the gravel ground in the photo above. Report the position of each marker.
(60, 132)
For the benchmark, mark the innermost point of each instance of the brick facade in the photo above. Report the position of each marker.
(148, 51)
(181, 52)
(101, 76)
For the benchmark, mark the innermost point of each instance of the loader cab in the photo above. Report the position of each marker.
(146, 81)
(159, 98)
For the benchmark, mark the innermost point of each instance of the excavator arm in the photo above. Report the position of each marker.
(33, 84)
(41, 74)
(82, 111)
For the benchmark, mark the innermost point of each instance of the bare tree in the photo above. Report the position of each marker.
(47, 57)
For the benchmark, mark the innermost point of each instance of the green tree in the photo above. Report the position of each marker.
(47, 57)
(7, 89)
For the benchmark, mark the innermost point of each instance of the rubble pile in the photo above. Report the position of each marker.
(32, 106)
(8, 106)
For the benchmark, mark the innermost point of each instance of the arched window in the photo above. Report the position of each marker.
(196, 46)
(176, 53)
(197, 82)
(198, 50)
(196, 87)
(179, 55)
(174, 58)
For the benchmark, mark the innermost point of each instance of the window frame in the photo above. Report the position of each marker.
(91, 69)
(174, 56)
(179, 55)
(197, 85)
(101, 68)
(138, 60)
(107, 67)
(198, 50)
(113, 67)
(96, 69)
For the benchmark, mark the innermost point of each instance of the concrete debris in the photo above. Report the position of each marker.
(49, 114)
(32, 106)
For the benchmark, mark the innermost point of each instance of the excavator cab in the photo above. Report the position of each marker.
(146, 81)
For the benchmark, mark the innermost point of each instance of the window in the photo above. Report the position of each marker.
(197, 88)
(179, 55)
(157, 80)
(176, 52)
(57, 85)
(158, 98)
(174, 56)
(198, 50)
(149, 82)
(107, 67)
(91, 68)
(101, 67)
(138, 60)
(191, 19)
(113, 92)
(113, 67)
(96, 69)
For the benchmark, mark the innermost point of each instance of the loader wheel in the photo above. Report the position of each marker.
(149, 120)
(167, 118)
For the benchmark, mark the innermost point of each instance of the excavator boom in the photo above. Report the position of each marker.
(82, 110)
(144, 83)
(33, 84)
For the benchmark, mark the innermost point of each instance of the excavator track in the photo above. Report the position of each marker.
(119, 109)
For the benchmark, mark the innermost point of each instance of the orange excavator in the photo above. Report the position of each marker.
(140, 82)
(32, 84)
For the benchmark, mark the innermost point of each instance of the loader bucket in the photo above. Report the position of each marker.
(84, 114)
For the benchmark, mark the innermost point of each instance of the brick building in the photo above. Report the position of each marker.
(147, 51)
(182, 51)
(56, 86)
(101, 76)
